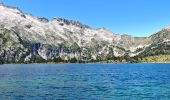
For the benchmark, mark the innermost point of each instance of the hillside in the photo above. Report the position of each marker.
(28, 39)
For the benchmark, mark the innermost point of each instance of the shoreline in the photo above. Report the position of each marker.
(87, 63)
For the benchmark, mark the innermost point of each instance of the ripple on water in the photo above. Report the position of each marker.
(91, 81)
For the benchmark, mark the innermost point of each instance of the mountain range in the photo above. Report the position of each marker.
(28, 39)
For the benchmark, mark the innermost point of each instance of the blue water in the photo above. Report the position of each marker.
(85, 82)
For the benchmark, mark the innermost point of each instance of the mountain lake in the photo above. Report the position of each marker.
(85, 82)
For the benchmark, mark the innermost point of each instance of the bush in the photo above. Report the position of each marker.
(73, 60)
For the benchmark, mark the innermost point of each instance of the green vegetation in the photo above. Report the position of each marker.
(150, 59)
(1, 61)
(156, 59)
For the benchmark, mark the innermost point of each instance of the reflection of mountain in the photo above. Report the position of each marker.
(24, 38)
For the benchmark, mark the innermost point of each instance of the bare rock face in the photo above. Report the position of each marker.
(24, 38)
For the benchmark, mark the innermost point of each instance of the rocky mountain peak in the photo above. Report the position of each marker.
(71, 22)
(43, 19)
(9, 8)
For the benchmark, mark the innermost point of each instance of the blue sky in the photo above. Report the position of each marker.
(133, 17)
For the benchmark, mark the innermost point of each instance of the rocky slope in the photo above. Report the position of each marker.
(25, 38)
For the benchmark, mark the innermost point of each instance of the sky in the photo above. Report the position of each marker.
(133, 17)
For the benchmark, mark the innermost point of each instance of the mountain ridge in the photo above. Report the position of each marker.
(28, 39)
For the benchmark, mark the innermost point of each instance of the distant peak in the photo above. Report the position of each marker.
(71, 22)
(43, 19)
(10, 7)
(103, 28)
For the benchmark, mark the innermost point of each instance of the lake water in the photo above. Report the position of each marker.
(85, 82)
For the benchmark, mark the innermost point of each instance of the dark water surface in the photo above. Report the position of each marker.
(85, 82)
